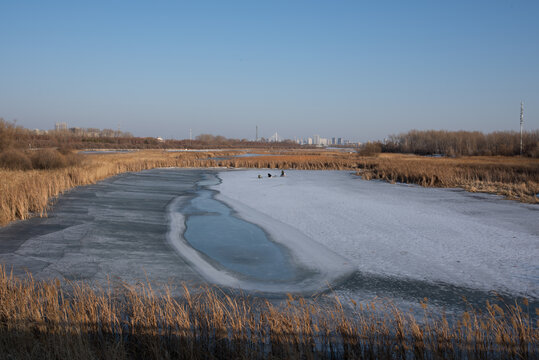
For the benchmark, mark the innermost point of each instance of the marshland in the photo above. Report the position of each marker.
(269, 180)
(149, 253)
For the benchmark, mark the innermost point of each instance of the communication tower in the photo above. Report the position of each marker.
(521, 124)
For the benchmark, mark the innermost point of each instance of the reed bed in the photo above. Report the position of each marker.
(29, 193)
(513, 177)
(50, 319)
(320, 161)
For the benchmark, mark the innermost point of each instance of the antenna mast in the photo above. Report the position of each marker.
(521, 124)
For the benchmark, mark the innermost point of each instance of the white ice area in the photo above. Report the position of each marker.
(437, 235)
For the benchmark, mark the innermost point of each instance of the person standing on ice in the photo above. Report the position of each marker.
(282, 173)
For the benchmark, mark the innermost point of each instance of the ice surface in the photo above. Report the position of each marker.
(428, 235)
(256, 253)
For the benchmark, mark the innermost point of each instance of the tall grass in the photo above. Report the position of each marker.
(28, 193)
(514, 177)
(53, 320)
(320, 161)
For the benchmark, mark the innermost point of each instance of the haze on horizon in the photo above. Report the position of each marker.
(359, 70)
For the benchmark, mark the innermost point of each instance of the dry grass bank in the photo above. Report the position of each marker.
(294, 160)
(44, 320)
(514, 177)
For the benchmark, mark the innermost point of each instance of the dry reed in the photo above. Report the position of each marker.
(53, 320)
(513, 177)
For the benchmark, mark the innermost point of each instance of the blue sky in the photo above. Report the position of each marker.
(354, 69)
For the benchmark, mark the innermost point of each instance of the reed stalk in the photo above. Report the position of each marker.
(50, 319)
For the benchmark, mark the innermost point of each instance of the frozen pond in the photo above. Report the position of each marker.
(303, 233)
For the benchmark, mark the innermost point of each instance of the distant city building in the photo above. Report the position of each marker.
(319, 141)
(275, 138)
(76, 131)
(60, 126)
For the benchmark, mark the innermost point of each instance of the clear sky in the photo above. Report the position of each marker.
(354, 69)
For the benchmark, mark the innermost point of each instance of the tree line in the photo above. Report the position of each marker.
(15, 136)
(427, 142)
(463, 143)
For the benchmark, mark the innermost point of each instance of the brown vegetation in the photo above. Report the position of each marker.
(514, 177)
(317, 161)
(27, 193)
(370, 149)
(13, 159)
(51, 320)
(43, 159)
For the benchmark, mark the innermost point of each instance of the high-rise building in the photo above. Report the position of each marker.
(60, 126)
(275, 138)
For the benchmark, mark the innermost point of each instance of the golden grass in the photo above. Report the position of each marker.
(53, 320)
(514, 177)
(320, 161)
(28, 193)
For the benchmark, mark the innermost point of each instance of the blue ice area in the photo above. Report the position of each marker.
(235, 244)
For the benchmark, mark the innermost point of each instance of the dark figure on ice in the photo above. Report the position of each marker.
(269, 175)
(259, 176)
(282, 173)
